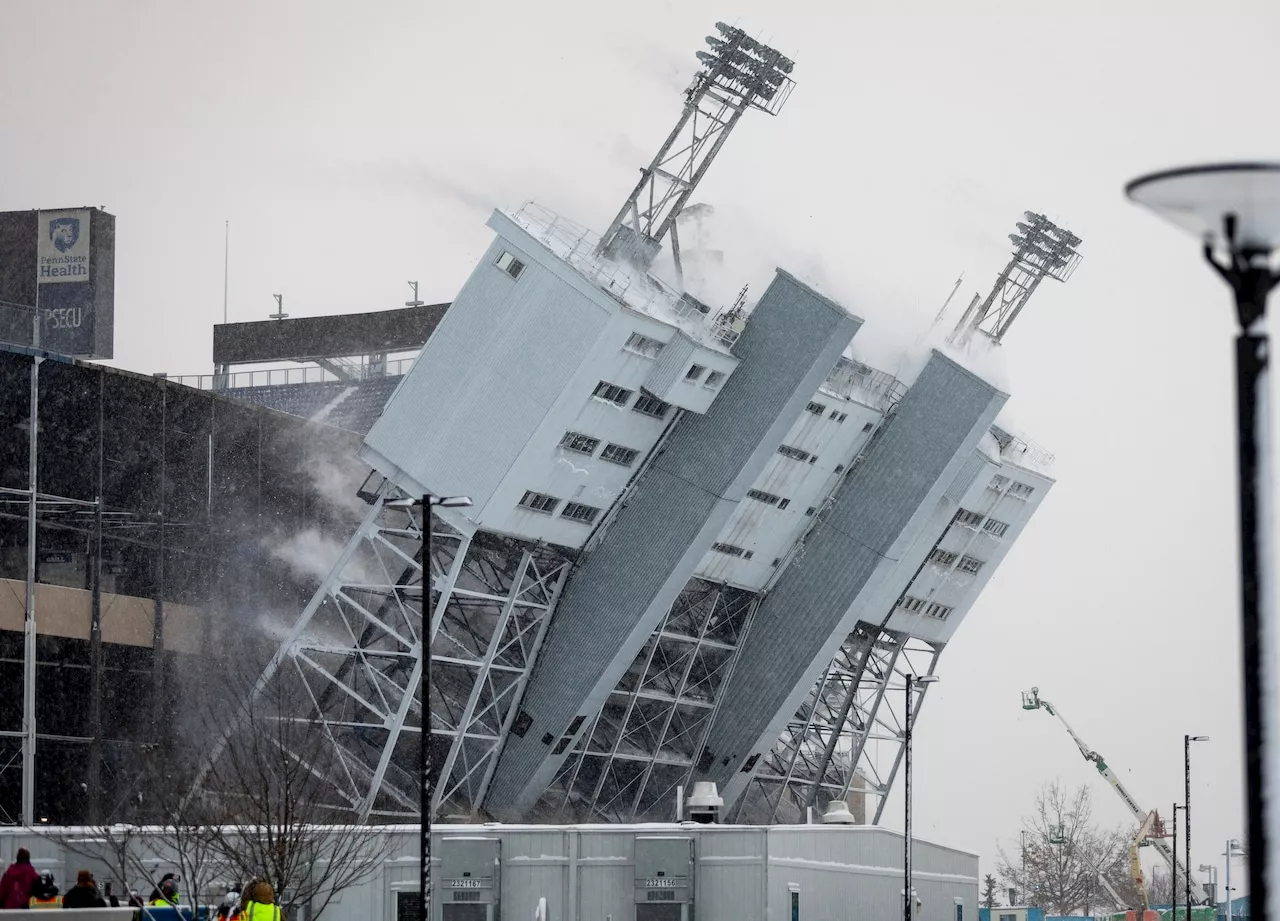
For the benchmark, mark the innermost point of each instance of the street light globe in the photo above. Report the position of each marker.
(1227, 205)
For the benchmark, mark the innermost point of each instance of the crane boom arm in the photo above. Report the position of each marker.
(1033, 701)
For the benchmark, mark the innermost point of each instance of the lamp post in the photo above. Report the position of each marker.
(908, 904)
(1173, 882)
(1212, 886)
(1186, 809)
(427, 502)
(1233, 849)
(1234, 208)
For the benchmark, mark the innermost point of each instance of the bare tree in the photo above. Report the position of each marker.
(270, 784)
(1160, 886)
(188, 828)
(1064, 853)
(120, 841)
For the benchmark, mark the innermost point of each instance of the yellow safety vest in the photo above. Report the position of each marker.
(260, 911)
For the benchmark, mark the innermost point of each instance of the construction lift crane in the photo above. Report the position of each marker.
(1031, 700)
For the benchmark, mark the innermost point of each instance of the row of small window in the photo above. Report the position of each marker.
(733, 550)
(651, 348)
(797, 454)
(967, 564)
(621, 396)
(819, 408)
(586, 444)
(1016, 490)
(973, 519)
(928, 608)
(574, 511)
(769, 498)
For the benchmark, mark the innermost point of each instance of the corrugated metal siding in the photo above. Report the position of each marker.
(617, 595)
(671, 364)
(797, 626)
(499, 359)
(968, 473)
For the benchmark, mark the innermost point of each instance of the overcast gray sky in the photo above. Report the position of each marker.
(355, 146)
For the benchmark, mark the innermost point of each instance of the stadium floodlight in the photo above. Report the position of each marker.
(1234, 209)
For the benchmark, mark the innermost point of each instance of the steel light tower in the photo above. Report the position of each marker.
(739, 73)
(1041, 249)
(1234, 208)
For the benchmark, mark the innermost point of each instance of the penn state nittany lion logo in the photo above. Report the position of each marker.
(64, 232)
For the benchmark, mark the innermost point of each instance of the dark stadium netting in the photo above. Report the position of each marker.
(217, 519)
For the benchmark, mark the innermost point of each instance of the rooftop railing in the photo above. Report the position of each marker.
(631, 286)
(855, 381)
(279, 377)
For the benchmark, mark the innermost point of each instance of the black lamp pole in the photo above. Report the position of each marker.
(1231, 207)
(426, 767)
(424, 695)
(908, 904)
(1251, 280)
(1186, 779)
(1186, 809)
(906, 798)
(1173, 881)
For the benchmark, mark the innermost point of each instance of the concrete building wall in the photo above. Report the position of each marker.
(672, 516)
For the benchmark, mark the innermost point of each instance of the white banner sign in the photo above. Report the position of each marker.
(62, 253)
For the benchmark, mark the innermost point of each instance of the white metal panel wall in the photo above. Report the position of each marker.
(501, 357)
(856, 872)
(535, 864)
(731, 877)
(1017, 514)
(586, 873)
(606, 873)
(542, 465)
(768, 531)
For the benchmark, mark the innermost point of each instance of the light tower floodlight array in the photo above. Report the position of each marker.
(739, 64)
(738, 73)
(1041, 249)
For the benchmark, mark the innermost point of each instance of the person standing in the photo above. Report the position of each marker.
(44, 894)
(258, 902)
(18, 881)
(84, 894)
(165, 895)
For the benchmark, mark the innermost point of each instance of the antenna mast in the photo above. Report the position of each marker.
(1041, 249)
(738, 73)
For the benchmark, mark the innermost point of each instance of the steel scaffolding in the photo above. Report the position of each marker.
(646, 739)
(355, 657)
(846, 739)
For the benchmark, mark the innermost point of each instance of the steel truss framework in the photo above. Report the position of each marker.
(1042, 250)
(739, 73)
(846, 739)
(354, 658)
(646, 739)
